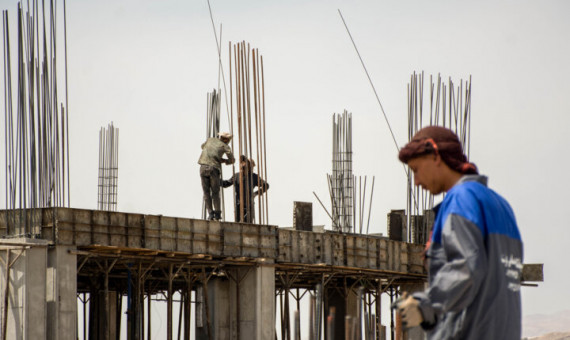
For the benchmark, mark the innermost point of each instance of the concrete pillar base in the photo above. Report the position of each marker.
(252, 289)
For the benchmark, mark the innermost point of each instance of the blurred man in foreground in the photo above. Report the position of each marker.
(475, 257)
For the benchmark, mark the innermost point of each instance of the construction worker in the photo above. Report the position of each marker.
(210, 169)
(475, 257)
(249, 179)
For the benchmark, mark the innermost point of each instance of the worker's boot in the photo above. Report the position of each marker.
(217, 215)
(212, 216)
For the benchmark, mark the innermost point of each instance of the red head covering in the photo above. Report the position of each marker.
(440, 141)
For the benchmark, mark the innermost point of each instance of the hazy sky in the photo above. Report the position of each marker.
(147, 66)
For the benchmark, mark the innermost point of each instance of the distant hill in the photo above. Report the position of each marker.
(551, 336)
(547, 326)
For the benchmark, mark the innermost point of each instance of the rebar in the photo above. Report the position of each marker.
(37, 131)
(342, 179)
(108, 168)
(348, 200)
(450, 107)
(249, 97)
(213, 112)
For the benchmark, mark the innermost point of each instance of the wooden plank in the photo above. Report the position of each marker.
(337, 244)
(100, 228)
(117, 229)
(383, 257)
(284, 244)
(135, 231)
(199, 237)
(167, 233)
(152, 232)
(184, 235)
(232, 239)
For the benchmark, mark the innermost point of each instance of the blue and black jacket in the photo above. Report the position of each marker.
(475, 265)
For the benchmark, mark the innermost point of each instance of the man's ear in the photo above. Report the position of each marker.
(437, 159)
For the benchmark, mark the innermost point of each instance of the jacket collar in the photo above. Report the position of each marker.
(473, 178)
(465, 178)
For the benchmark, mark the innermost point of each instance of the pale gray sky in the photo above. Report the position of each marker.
(147, 66)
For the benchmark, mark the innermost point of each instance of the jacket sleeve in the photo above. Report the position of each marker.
(462, 262)
(229, 182)
(228, 152)
(261, 185)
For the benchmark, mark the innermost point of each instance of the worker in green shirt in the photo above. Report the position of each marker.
(210, 169)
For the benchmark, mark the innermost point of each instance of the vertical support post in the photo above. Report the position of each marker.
(287, 313)
(187, 306)
(378, 304)
(106, 328)
(391, 313)
(180, 310)
(359, 314)
(298, 327)
(149, 319)
(169, 305)
(85, 316)
(6, 294)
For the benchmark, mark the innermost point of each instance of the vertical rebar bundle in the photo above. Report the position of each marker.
(450, 107)
(212, 129)
(108, 168)
(213, 113)
(341, 180)
(348, 196)
(248, 93)
(37, 132)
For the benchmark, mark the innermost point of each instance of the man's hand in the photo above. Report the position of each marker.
(408, 308)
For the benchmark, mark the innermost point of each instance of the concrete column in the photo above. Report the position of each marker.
(260, 286)
(218, 306)
(344, 306)
(103, 320)
(26, 309)
(397, 226)
(61, 282)
(253, 289)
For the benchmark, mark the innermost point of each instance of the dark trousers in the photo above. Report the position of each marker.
(210, 177)
(248, 212)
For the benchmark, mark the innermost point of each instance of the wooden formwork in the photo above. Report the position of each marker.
(86, 228)
(349, 250)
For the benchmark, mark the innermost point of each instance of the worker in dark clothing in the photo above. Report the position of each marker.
(246, 212)
(475, 255)
(210, 169)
